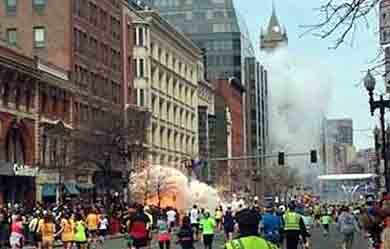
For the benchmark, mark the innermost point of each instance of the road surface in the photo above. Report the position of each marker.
(319, 241)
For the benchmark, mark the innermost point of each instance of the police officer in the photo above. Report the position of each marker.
(293, 228)
(248, 223)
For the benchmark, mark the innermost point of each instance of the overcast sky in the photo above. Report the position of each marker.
(346, 64)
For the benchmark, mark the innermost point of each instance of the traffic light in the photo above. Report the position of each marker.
(313, 156)
(281, 158)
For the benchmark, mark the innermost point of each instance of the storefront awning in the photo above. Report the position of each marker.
(70, 189)
(49, 190)
(6, 168)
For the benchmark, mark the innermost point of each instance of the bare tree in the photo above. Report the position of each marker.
(106, 143)
(152, 182)
(341, 18)
(140, 180)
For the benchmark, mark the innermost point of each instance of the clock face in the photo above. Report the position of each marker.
(276, 29)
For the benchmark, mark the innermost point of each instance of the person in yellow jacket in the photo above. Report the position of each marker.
(248, 224)
(294, 228)
(67, 231)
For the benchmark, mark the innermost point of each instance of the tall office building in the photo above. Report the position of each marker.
(217, 28)
(214, 26)
(257, 113)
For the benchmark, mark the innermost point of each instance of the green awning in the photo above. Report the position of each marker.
(49, 190)
(70, 189)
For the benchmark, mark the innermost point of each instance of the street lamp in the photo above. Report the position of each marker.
(381, 104)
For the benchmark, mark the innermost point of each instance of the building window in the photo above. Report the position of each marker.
(12, 36)
(141, 37)
(39, 37)
(11, 5)
(39, 3)
(135, 68)
(15, 146)
(141, 97)
(141, 68)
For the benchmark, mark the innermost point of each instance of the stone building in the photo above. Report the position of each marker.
(167, 67)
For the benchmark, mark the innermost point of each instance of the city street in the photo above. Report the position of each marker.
(318, 242)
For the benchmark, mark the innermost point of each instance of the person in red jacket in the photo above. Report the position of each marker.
(138, 228)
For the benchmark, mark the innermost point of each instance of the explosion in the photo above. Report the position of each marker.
(168, 187)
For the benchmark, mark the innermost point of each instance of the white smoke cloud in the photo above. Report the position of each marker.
(173, 181)
(299, 95)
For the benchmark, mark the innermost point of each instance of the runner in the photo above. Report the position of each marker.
(208, 226)
(33, 229)
(228, 224)
(171, 215)
(16, 239)
(164, 235)
(67, 231)
(194, 217)
(138, 229)
(47, 229)
(326, 220)
(103, 227)
(186, 234)
(80, 236)
(347, 225)
(218, 217)
(92, 222)
(272, 225)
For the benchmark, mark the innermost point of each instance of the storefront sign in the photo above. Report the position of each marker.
(82, 178)
(45, 176)
(24, 170)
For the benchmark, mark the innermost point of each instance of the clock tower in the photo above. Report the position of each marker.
(274, 36)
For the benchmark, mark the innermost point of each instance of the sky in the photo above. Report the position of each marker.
(346, 65)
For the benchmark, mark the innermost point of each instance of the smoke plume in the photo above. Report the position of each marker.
(299, 94)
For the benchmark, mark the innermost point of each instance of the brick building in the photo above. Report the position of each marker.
(81, 37)
(88, 46)
(230, 127)
(34, 95)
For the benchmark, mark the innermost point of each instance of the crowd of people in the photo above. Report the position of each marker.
(76, 224)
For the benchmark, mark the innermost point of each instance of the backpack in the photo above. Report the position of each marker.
(348, 225)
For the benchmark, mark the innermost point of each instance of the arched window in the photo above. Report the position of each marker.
(15, 147)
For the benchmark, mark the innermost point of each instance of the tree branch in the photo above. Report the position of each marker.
(340, 19)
